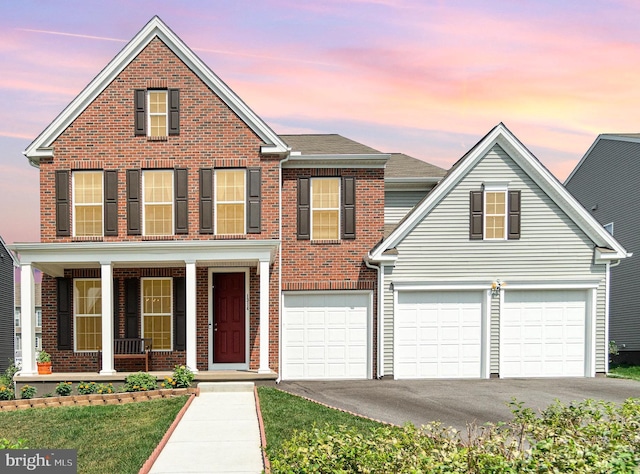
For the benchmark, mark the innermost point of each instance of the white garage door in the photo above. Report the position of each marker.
(438, 334)
(543, 333)
(324, 336)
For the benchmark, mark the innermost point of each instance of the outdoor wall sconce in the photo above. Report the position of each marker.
(496, 286)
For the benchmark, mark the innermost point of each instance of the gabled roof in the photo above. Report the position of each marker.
(4, 252)
(401, 166)
(40, 147)
(332, 151)
(621, 137)
(503, 137)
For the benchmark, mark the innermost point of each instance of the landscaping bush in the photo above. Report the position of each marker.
(182, 378)
(140, 382)
(64, 389)
(28, 391)
(8, 444)
(586, 437)
(6, 381)
(87, 388)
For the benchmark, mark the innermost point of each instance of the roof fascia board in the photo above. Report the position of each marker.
(522, 156)
(378, 160)
(155, 27)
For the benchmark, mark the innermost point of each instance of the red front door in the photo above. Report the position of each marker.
(229, 328)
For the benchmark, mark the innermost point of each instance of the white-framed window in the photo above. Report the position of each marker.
(157, 119)
(325, 208)
(495, 212)
(87, 314)
(230, 197)
(88, 198)
(16, 317)
(609, 227)
(157, 209)
(38, 342)
(157, 312)
(38, 318)
(18, 342)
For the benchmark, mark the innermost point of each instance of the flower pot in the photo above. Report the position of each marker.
(44, 368)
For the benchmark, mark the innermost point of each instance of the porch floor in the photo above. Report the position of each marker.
(201, 376)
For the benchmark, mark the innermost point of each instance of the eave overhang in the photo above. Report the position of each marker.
(378, 160)
(54, 258)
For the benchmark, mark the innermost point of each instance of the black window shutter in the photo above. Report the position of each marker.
(476, 211)
(131, 306)
(64, 314)
(206, 201)
(254, 200)
(180, 314)
(174, 111)
(140, 113)
(62, 204)
(116, 307)
(133, 203)
(111, 202)
(181, 200)
(348, 211)
(514, 215)
(304, 209)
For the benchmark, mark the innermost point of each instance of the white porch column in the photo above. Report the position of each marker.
(27, 320)
(106, 277)
(191, 295)
(264, 317)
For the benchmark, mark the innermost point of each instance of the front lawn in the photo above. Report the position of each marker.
(110, 438)
(625, 371)
(585, 437)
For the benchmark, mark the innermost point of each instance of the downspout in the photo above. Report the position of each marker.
(378, 268)
(607, 280)
(279, 379)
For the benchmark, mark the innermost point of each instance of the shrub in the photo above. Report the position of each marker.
(43, 356)
(586, 437)
(28, 391)
(64, 389)
(140, 382)
(104, 388)
(182, 378)
(87, 388)
(6, 392)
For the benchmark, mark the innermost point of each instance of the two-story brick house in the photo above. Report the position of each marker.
(170, 211)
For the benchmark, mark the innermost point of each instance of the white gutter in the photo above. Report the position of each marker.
(379, 316)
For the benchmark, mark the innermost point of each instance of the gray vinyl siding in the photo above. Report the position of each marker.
(6, 308)
(551, 249)
(608, 178)
(397, 204)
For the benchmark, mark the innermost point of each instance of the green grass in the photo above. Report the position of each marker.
(110, 438)
(625, 371)
(284, 413)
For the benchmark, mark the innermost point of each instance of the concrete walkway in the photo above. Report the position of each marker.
(218, 433)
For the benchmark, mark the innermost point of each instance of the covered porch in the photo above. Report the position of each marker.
(191, 258)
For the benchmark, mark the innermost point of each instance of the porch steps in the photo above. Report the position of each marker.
(225, 387)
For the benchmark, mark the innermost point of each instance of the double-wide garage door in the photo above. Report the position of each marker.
(543, 333)
(439, 334)
(325, 336)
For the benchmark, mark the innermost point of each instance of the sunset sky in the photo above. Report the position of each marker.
(426, 78)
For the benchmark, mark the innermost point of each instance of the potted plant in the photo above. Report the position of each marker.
(44, 363)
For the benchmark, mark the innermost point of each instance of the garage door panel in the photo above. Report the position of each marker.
(325, 336)
(543, 333)
(438, 334)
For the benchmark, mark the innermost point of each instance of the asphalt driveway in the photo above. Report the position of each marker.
(457, 402)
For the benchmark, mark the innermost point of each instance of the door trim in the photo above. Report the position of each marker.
(247, 312)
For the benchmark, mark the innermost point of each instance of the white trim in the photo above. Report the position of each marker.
(607, 280)
(485, 318)
(212, 365)
(312, 208)
(243, 202)
(41, 146)
(75, 314)
(550, 285)
(501, 136)
(441, 286)
(591, 343)
(147, 172)
(369, 161)
(505, 215)
(75, 173)
(369, 351)
(156, 114)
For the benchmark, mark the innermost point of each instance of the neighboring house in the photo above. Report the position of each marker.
(171, 211)
(498, 272)
(8, 264)
(605, 182)
(18, 320)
